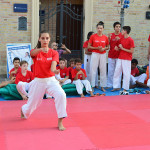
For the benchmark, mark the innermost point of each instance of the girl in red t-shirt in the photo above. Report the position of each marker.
(45, 61)
(98, 43)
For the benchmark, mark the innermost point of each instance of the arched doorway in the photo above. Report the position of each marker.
(63, 19)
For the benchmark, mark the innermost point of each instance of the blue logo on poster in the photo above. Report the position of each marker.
(20, 8)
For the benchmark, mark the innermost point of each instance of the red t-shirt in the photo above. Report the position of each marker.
(42, 63)
(28, 78)
(63, 72)
(32, 67)
(114, 42)
(85, 45)
(135, 72)
(97, 40)
(70, 73)
(80, 76)
(149, 38)
(15, 74)
(127, 43)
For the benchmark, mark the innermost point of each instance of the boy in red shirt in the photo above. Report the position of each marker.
(126, 47)
(136, 79)
(23, 80)
(13, 72)
(79, 76)
(72, 66)
(63, 76)
(113, 54)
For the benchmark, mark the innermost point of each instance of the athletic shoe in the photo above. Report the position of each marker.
(148, 83)
(124, 93)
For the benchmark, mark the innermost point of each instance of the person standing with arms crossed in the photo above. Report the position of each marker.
(45, 61)
(98, 43)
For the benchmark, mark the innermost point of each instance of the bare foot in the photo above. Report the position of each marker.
(97, 94)
(91, 93)
(103, 94)
(97, 87)
(49, 97)
(116, 89)
(60, 125)
(103, 89)
(82, 95)
(22, 115)
(147, 92)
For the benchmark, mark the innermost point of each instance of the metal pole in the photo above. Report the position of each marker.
(61, 21)
(82, 34)
(122, 14)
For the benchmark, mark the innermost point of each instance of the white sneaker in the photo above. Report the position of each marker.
(148, 83)
(124, 93)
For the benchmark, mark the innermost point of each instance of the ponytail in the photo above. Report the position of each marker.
(101, 23)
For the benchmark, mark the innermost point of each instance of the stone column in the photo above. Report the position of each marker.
(35, 23)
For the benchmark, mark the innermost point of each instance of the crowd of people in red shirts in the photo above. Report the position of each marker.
(49, 70)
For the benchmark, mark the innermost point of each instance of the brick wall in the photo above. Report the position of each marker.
(9, 28)
(107, 11)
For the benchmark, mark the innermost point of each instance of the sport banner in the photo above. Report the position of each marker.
(20, 50)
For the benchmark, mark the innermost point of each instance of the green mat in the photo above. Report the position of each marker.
(70, 89)
(10, 92)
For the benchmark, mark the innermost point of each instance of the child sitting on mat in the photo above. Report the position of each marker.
(23, 80)
(72, 66)
(79, 79)
(13, 72)
(136, 79)
(63, 76)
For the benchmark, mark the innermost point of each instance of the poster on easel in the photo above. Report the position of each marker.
(20, 50)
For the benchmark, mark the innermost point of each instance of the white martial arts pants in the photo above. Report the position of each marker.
(80, 84)
(141, 78)
(122, 66)
(68, 81)
(38, 88)
(111, 69)
(87, 63)
(98, 60)
(24, 87)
